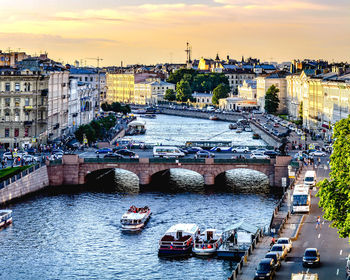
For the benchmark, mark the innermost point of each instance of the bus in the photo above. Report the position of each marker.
(167, 152)
(301, 199)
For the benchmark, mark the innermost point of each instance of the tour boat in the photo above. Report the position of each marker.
(232, 126)
(5, 217)
(207, 242)
(178, 240)
(135, 218)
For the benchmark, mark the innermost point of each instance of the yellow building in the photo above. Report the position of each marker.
(120, 88)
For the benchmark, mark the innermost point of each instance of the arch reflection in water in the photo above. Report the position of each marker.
(244, 181)
(177, 180)
(113, 179)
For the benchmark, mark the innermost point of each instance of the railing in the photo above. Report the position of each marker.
(242, 160)
(112, 160)
(20, 175)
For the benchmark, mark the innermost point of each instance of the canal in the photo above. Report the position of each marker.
(65, 233)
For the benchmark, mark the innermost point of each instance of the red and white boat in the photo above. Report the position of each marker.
(135, 218)
(178, 240)
(207, 242)
(5, 217)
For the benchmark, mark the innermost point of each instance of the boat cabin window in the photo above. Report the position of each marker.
(209, 235)
(179, 234)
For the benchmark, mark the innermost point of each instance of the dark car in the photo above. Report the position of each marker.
(266, 269)
(271, 154)
(30, 151)
(113, 155)
(193, 150)
(311, 257)
(57, 151)
(204, 154)
(104, 151)
(276, 257)
(126, 152)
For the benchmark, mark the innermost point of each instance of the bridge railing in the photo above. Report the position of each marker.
(242, 160)
(100, 160)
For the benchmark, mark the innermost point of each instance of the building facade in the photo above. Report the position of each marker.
(247, 90)
(236, 77)
(151, 91)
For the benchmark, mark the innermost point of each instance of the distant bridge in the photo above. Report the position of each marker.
(73, 170)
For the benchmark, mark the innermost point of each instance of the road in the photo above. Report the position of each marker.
(333, 250)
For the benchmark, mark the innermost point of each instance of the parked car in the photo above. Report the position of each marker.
(311, 257)
(30, 151)
(7, 155)
(266, 269)
(204, 154)
(29, 159)
(259, 156)
(271, 154)
(318, 154)
(57, 151)
(193, 150)
(240, 150)
(113, 155)
(281, 249)
(348, 266)
(286, 242)
(126, 152)
(260, 150)
(104, 151)
(276, 257)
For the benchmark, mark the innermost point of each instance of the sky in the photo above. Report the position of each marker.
(156, 31)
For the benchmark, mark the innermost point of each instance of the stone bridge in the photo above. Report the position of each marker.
(73, 170)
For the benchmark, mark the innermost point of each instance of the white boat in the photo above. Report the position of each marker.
(178, 240)
(207, 242)
(247, 129)
(239, 130)
(5, 217)
(213, 118)
(135, 218)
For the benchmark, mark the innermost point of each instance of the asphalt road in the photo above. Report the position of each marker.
(333, 250)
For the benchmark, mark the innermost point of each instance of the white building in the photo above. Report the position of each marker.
(151, 91)
(237, 76)
(247, 90)
(203, 99)
(73, 105)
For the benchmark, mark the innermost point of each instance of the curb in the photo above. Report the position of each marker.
(295, 237)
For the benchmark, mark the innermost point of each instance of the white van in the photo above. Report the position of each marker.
(310, 179)
(167, 152)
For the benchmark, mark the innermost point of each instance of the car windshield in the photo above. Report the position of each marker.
(309, 179)
(271, 256)
(263, 267)
(283, 241)
(276, 248)
(310, 253)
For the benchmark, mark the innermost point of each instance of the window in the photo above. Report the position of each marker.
(17, 87)
(80, 79)
(7, 132)
(16, 132)
(17, 116)
(17, 102)
(7, 116)
(86, 79)
(26, 114)
(26, 101)
(7, 87)
(91, 79)
(7, 101)
(26, 130)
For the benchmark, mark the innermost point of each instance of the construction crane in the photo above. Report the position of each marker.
(98, 59)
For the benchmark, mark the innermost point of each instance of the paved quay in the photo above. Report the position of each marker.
(290, 229)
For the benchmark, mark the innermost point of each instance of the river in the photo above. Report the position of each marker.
(74, 234)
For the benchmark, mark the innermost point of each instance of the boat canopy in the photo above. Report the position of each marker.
(185, 228)
(137, 124)
(133, 216)
(242, 226)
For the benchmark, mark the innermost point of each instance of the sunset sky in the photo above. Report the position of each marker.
(152, 31)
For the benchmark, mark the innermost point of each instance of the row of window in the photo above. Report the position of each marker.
(17, 101)
(16, 87)
(16, 132)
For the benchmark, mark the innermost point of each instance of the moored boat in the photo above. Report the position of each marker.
(135, 218)
(239, 130)
(213, 118)
(247, 129)
(149, 116)
(5, 217)
(178, 240)
(232, 126)
(207, 242)
(256, 136)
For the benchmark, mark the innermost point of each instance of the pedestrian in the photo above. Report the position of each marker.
(318, 222)
(273, 241)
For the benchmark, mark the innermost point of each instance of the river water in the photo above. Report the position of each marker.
(77, 234)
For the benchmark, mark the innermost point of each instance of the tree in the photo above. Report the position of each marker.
(170, 94)
(88, 131)
(184, 91)
(334, 194)
(271, 100)
(221, 91)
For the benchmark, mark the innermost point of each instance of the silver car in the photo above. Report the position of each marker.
(281, 249)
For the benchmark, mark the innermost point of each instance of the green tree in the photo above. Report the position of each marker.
(106, 107)
(271, 100)
(183, 91)
(221, 91)
(178, 75)
(88, 131)
(170, 94)
(334, 194)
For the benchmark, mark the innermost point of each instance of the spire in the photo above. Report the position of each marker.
(217, 57)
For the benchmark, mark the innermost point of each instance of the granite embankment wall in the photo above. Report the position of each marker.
(32, 182)
(270, 139)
